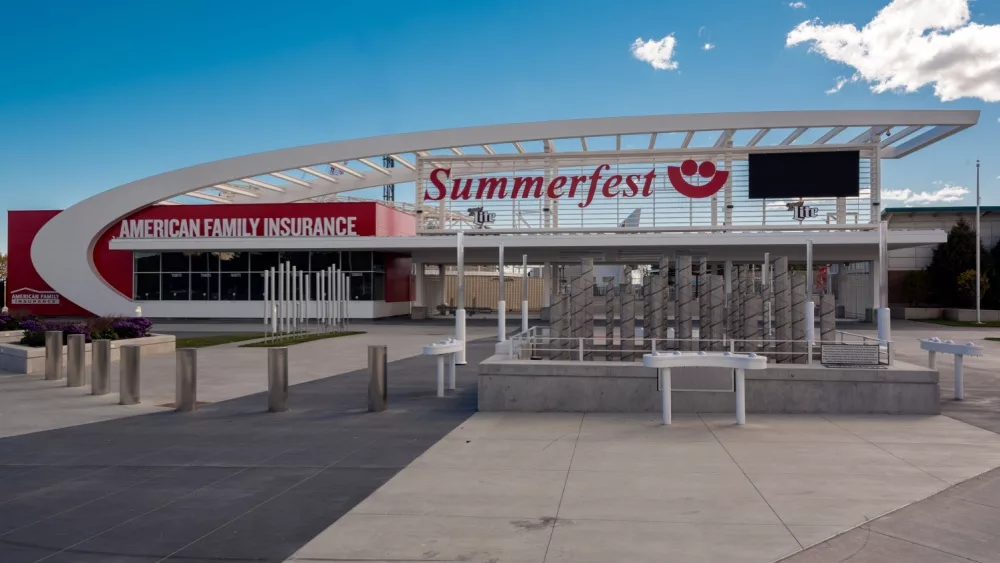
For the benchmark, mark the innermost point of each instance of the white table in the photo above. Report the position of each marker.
(445, 350)
(935, 345)
(663, 362)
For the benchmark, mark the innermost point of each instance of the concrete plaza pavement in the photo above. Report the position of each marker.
(28, 403)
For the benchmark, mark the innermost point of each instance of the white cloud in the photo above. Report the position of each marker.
(840, 84)
(709, 46)
(947, 193)
(659, 54)
(797, 5)
(910, 44)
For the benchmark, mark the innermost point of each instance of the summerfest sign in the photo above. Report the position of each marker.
(240, 227)
(588, 186)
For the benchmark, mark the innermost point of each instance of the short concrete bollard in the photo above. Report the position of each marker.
(186, 371)
(128, 378)
(76, 354)
(100, 367)
(378, 391)
(53, 354)
(277, 379)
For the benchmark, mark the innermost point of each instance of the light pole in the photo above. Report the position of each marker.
(978, 286)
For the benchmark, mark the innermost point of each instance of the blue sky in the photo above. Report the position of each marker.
(97, 94)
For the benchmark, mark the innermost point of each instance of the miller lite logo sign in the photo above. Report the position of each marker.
(481, 217)
(802, 212)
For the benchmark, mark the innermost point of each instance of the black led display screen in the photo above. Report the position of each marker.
(804, 174)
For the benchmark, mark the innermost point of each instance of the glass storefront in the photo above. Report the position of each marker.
(239, 276)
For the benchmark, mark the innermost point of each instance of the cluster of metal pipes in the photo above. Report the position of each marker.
(289, 307)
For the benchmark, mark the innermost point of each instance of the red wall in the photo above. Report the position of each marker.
(115, 266)
(22, 226)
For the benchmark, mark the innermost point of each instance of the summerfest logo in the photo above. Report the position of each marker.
(617, 185)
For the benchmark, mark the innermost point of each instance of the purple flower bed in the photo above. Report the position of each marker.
(109, 328)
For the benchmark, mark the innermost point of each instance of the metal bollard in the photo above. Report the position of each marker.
(128, 378)
(53, 354)
(76, 350)
(378, 392)
(100, 367)
(186, 371)
(277, 379)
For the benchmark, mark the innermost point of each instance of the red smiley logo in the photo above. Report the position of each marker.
(705, 170)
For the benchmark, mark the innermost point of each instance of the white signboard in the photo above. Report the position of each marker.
(238, 227)
(28, 296)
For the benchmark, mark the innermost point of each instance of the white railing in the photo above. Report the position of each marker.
(537, 344)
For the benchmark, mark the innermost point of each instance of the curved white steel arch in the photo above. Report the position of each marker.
(62, 251)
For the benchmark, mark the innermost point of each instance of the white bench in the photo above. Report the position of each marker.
(664, 361)
(445, 350)
(935, 345)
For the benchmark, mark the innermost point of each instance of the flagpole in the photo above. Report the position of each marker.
(978, 286)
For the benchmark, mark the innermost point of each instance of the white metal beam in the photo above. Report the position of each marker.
(583, 143)
(291, 179)
(264, 185)
(455, 150)
(168, 202)
(236, 190)
(687, 139)
(652, 140)
(893, 139)
(920, 141)
(347, 169)
(517, 145)
(829, 135)
(618, 142)
(318, 174)
(869, 134)
(488, 149)
(403, 161)
(724, 138)
(208, 197)
(373, 166)
(793, 136)
(759, 136)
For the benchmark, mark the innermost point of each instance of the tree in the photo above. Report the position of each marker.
(916, 287)
(3, 266)
(967, 286)
(950, 259)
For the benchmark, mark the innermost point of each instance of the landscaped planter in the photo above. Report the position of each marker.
(15, 358)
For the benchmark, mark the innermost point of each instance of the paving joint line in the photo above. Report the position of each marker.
(752, 484)
(562, 494)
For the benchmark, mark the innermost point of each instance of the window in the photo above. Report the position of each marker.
(204, 287)
(234, 261)
(263, 261)
(235, 286)
(360, 286)
(256, 285)
(204, 262)
(175, 262)
(378, 286)
(358, 261)
(297, 260)
(147, 262)
(147, 287)
(322, 259)
(175, 286)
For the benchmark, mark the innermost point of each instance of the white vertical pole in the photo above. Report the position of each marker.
(741, 397)
(979, 319)
(274, 305)
(321, 298)
(959, 379)
(308, 292)
(810, 308)
(546, 285)
(501, 302)
(288, 297)
(884, 331)
(440, 375)
(451, 371)
(346, 300)
(267, 303)
(524, 293)
(460, 306)
(295, 298)
(665, 394)
(331, 294)
(281, 297)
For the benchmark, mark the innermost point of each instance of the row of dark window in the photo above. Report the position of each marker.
(304, 260)
(239, 276)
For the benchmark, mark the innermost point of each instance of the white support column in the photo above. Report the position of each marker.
(451, 372)
(345, 287)
(335, 296)
(295, 298)
(440, 375)
(460, 304)
(728, 162)
(547, 285)
(665, 390)
(308, 288)
(882, 288)
(274, 301)
(267, 303)
(440, 298)
(741, 397)
(524, 293)
(288, 297)
(321, 298)
(281, 297)
(418, 298)
(502, 301)
(810, 307)
(959, 379)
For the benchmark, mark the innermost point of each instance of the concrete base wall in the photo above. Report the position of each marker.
(917, 313)
(969, 315)
(15, 358)
(565, 386)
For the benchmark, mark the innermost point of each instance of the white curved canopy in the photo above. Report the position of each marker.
(62, 251)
